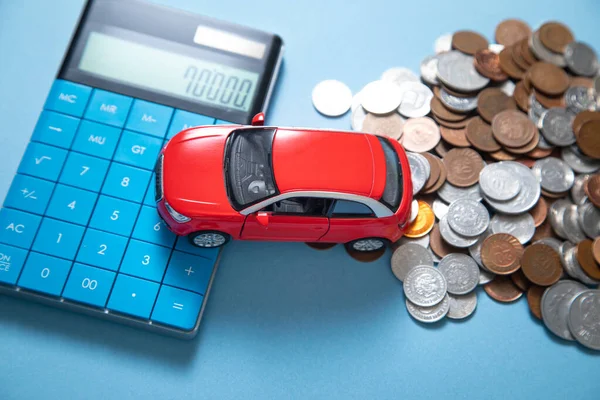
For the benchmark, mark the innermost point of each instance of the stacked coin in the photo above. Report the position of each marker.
(503, 142)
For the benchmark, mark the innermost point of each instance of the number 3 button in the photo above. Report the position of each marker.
(126, 182)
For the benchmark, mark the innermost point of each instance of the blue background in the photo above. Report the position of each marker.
(283, 320)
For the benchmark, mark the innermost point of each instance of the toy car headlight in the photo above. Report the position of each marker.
(176, 216)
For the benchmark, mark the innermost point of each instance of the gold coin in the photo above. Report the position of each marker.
(423, 223)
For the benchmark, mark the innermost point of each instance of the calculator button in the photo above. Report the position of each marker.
(68, 97)
(183, 244)
(114, 215)
(42, 161)
(18, 228)
(149, 118)
(102, 249)
(71, 204)
(126, 182)
(184, 120)
(89, 285)
(188, 272)
(133, 296)
(11, 262)
(150, 198)
(58, 238)
(138, 150)
(145, 260)
(96, 139)
(151, 228)
(45, 274)
(108, 108)
(84, 172)
(29, 194)
(177, 307)
(55, 129)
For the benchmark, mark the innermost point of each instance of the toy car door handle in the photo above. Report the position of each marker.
(262, 218)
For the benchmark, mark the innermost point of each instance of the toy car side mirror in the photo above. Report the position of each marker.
(258, 119)
(263, 218)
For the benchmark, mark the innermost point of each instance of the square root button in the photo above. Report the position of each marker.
(177, 307)
(189, 272)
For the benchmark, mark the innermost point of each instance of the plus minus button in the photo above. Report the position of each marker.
(189, 271)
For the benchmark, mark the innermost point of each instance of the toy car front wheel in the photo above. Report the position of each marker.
(208, 239)
(367, 244)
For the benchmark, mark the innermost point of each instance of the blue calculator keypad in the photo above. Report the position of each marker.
(79, 221)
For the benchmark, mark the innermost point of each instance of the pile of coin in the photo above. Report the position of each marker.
(503, 142)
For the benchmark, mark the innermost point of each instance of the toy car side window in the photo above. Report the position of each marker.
(351, 209)
(308, 206)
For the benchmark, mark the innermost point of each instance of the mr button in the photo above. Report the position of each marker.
(108, 108)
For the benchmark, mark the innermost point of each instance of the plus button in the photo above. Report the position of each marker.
(189, 271)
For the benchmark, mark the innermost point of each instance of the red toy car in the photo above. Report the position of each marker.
(215, 183)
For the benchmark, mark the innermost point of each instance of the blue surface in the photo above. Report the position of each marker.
(283, 320)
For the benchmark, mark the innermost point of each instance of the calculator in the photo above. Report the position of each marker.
(79, 228)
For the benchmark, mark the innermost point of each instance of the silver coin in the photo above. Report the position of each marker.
(475, 249)
(429, 314)
(497, 181)
(461, 273)
(468, 217)
(440, 209)
(422, 241)
(589, 219)
(544, 144)
(557, 127)
(542, 53)
(414, 210)
(420, 170)
(571, 225)
(452, 237)
(408, 256)
(578, 190)
(552, 242)
(485, 276)
(554, 174)
(556, 214)
(581, 59)
(528, 195)
(462, 306)
(458, 104)
(332, 98)
(381, 97)
(450, 193)
(579, 98)
(429, 70)
(508, 87)
(520, 226)
(443, 43)
(355, 102)
(555, 304)
(390, 125)
(358, 118)
(425, 286)
(399, 75)
(584, 319)
(416, 100)
(457, 71)
(579, 162)
(574, 269)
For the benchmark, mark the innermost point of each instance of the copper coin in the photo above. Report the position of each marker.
(439, 246)
(521, 96)
(534, 300)
(448, 124)
(527, 82)
(518, 57)
(549, 78)
(320, 245)
(528, 162)
(502, 289)
(553, 195)
(528, 147)
(582, 118)
(526, 52)
(550, 101)
(487, 63)
(588, 139)
(581, 81)
(456, 137)
(434, 170)
(543, 231)
(510, 31)
(423, 224)
(538, 153)
(501, 253)
(439, 110)
(479, 134)
(541, 264)
(539, 212)
(596, 249)
(468, 42)
(365, 256)
(441, 180)
(585, 257)
(508, 65)
(512, 128)
(442, 148)
(457, 93)
(463, 166)
(502, 155)
(555, 36)
(492, 101)
(520, 280)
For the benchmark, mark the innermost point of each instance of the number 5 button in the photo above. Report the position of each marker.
(114, 215)
(126, 182)
(89, 285)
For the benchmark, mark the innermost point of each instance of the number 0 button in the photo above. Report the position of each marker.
(126, 182)
(89, 285)
(45, 274)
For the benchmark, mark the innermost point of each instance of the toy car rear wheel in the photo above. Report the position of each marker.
(208, 239)
(368, 244)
